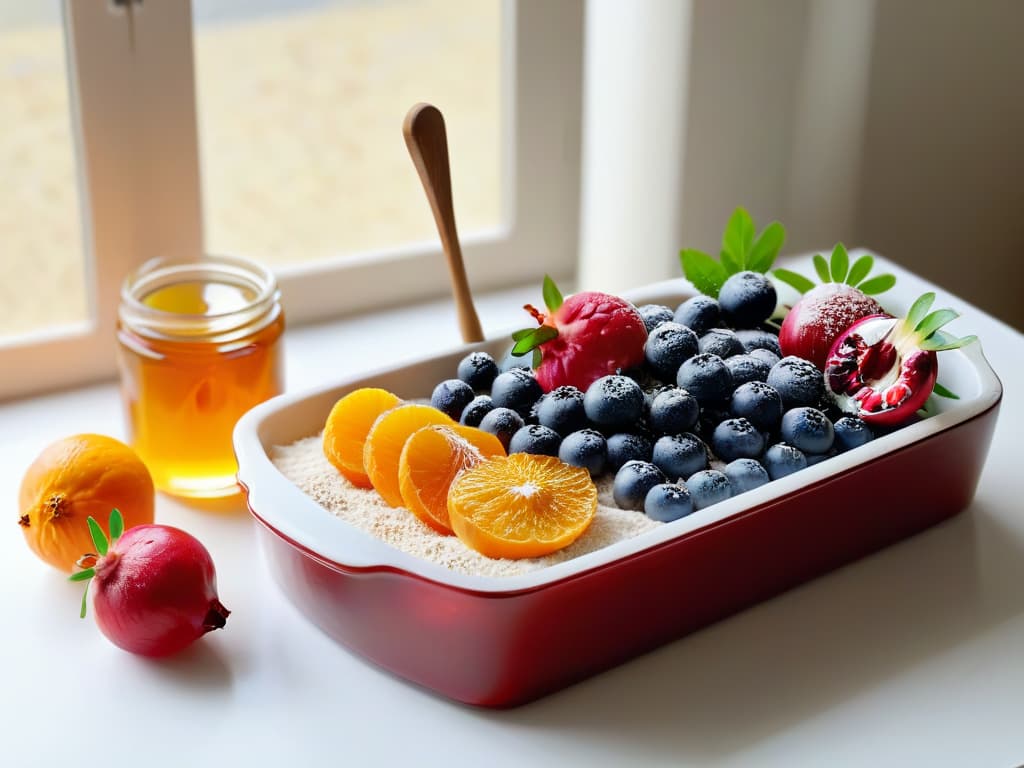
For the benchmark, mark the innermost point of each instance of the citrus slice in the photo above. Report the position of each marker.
(521, 506)
(431, 460)
(347, 427)
(385, 441)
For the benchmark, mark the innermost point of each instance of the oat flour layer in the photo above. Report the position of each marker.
(304, 464)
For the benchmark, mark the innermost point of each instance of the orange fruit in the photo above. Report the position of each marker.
(385, 441)
(75, 478)
(431, 459)
(521, 506)
(347, 427)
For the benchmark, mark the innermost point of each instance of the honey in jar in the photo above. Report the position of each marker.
(198, 347)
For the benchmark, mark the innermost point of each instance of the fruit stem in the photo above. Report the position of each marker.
(535, 313)
(216, 617)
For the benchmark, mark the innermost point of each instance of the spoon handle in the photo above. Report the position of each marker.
(427, 141)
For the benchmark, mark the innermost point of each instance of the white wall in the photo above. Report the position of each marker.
(893, 124)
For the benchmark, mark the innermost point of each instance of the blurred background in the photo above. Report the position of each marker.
(897, 125)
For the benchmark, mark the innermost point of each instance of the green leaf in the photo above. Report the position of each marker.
(731, 263)
(840, 263)
(552, 296)
(738, 236)
(520, 334)
(99, 539)
(860, 269)
(798, 281)
(766, 248)
(706, 274)
(85, 575)
(116, 524)
(946, 342)
(85, 596)
(821, 267)
(534, 339)
(941, 391)
(876, 285)
(934, 321)
(919, 309)
(536, 358)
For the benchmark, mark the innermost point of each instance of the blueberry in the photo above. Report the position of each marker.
(721, 342)
(781, 460)
(537, 439)
(707, 487)
(699, 313)
(451, 396)
(561, 409)
(654, 315)
(585, 448)
(667, 502)
(478, 369)
(753, 338)
(706, 377)
(516, 389)
(673, 411)
(747, 299)
(478, 407)
(667, 347)
(745, 475)
(632, 482)
(627, 446)
(851, 432)
(807, 429)
(502, 423)
(765, 354)
(817, 458)
(710, 417)
(737, 439)
(614, 403)
(509, 361)
(759, 403)
(745, 368)
(798, 381)
(679, 456)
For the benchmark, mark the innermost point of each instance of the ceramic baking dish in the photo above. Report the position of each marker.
(498, 642)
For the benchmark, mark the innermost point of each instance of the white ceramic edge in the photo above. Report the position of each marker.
(294, 514)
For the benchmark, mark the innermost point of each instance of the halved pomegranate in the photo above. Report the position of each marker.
(883, 369)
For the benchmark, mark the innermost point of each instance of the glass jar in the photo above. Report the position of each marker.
(198, 347)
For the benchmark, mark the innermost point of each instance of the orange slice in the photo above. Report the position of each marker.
(431, 459)
(521, 506)
(385, 441)
(347, 427)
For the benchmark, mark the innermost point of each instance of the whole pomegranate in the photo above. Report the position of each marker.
(813, 324)
(584, 337)
(154, 588)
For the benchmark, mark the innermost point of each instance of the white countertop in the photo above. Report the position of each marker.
(914, 656)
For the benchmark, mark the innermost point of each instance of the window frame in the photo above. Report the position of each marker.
(132, 84)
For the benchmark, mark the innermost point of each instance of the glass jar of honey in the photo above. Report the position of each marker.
(198, 347)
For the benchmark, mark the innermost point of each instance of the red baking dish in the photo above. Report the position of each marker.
(502, 641)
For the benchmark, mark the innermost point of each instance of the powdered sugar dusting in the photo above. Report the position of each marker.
(304, 464)
(834, 306)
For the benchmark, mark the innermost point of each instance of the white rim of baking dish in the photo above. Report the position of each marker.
(288, 511)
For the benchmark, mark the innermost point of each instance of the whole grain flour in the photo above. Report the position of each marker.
(304, 464)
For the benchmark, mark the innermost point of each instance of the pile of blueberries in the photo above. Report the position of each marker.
(713, 387)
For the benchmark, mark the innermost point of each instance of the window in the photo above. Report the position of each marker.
(134, 88)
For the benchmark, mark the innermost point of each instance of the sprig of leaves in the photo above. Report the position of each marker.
(742, 249)
(838, 269)
(102, 544)
(926, 325)
(529, 339)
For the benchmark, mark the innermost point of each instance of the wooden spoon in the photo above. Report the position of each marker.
(427, 141)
